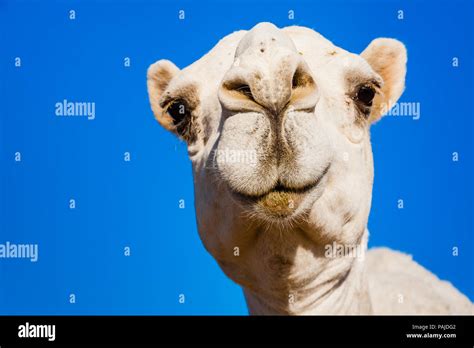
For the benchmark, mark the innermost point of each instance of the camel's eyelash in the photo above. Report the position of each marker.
(376, 84)
(166, 102)
(354, 84)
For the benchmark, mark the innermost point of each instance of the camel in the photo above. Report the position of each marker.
(277, 126)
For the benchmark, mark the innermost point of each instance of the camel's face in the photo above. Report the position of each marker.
(289, 126)
(277, 125)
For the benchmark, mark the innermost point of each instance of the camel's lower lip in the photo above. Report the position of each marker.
(280, 203)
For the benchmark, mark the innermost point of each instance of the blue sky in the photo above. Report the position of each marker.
(136, 204)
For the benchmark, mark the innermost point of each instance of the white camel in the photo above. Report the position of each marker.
(277, 124)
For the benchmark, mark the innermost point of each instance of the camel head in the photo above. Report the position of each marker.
(277, 124)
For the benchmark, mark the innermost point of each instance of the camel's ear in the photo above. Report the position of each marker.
(159, 76)
(388, 58)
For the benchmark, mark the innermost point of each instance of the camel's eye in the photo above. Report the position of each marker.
(366, 95)
(178, 110)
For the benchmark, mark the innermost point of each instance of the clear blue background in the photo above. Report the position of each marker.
(135, 204)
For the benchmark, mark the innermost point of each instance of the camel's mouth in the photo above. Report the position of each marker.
(282, 202)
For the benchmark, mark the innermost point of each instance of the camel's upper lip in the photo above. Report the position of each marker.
(280, 188)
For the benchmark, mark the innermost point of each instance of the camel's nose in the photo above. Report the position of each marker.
(288, 84)
(284, 81)
(269, 73)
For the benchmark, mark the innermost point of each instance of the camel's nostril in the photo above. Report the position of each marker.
(239, 88)
(294, 82)
(235, 94)
(244, 89)
(301, 79)
(304, 91)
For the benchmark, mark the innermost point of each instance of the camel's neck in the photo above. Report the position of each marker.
(334, 284)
